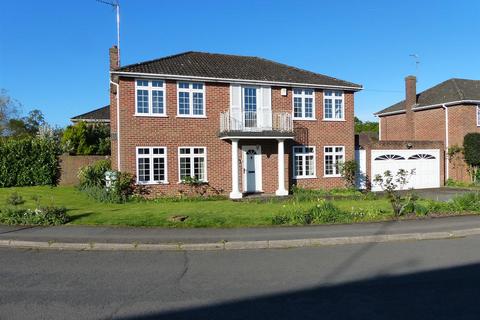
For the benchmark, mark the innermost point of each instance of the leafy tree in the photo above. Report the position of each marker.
(9, 109)
(367, 126)
(471, 151)
(87, 139)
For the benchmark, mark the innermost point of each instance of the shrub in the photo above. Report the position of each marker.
(28, 162)
(47, 216)
(322, 212)
(348, 170)
(391, 185)
(94, 174)
(471, 147)
(87, 139)
(15, 199)
(467, 202)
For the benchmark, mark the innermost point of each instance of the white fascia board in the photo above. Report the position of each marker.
(227, 80)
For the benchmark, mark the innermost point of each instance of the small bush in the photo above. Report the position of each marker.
(320, 213)
(94, 174)
(467, 202)
(46, 216)
(15, 199)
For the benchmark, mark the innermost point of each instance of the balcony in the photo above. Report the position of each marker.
(256, 124)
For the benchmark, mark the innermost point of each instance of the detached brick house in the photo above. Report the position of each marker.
(445, 112)
(100, 115)
(242, 124)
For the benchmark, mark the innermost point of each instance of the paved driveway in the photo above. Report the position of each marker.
(441, 194)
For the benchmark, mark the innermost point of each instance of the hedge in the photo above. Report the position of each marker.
(28, 162)
(471, 147)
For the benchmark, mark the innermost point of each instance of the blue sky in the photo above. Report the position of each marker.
(54, 54)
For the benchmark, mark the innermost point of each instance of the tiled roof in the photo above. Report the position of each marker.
(98, 115)
(223, 66)
(448, 91)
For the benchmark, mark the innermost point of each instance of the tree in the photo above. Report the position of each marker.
(393, 185)
(367, 126)
(34, 121)
(471, 151)
(9, 109)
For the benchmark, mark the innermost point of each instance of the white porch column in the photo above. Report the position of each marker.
(281, 191)
(235, 194)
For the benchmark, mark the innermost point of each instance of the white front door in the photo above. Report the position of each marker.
(252, 168)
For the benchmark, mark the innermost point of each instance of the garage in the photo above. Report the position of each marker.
(426, 163)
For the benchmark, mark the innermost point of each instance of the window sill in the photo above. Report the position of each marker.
(152, 115)
(194, 117)
(152, 183)
(305, 177)
(304, 119)
(332, 176)
(334, 120)
(181, 182)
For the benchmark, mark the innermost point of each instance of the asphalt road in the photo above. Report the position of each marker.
(403, 280)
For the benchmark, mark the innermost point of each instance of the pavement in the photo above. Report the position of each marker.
(121, 238)
(441, 194)
(428, 280)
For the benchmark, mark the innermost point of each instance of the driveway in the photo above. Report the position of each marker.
(441, 194)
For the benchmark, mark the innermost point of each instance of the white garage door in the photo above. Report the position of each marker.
(425, 162)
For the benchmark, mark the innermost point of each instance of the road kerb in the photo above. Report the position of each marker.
(237, 245)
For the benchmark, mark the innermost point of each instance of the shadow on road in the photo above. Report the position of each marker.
(451, 293)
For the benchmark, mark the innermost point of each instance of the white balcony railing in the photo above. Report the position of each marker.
(256, 121)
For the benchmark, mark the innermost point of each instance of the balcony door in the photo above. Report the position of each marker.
(250, 107)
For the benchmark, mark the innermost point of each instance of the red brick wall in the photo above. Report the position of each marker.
(70, 165)
(393, 127)
(173, 132)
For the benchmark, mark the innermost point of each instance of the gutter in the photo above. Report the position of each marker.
(228, 80)
(118, 124)
(432, 106)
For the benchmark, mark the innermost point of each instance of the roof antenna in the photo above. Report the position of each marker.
(417, 62)
(115, 4)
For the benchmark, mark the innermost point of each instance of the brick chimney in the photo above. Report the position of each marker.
(410, 102)
(114, 62)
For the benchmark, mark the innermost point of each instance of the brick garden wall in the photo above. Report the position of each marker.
(69, 166)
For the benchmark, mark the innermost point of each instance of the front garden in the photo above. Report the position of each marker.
(304, 207)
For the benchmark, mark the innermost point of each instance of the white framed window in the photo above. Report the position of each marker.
(333, 157)
(150, 97)
(304, 162)
(151, 165)
(191, 99)
(192, 162)
(333, 105)
(303, 104)
(478, 116)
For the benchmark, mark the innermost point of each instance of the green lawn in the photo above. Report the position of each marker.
(218, 213)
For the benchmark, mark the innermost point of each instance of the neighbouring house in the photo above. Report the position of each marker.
(100, 115)
(243, 124)
(445, 112)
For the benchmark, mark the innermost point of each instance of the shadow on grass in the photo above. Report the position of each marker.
(450, 293)
(79, 216)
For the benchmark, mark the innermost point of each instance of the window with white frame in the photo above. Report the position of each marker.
(303, 162)
(303, 104)
(191, 99)
(150, 97)
(333, 106)
(192, 163)
(333, 157)
(151, 165)
(478, 116)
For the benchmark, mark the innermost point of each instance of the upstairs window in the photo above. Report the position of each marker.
(334, 156)
(334, 108)
(303, 104)
(150, 97)
(151, 165)
(191, 99)
(304, 162)
(192, 163)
